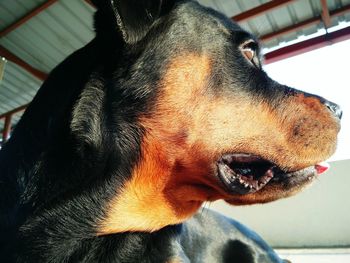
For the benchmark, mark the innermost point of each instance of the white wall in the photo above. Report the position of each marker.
(317, 217)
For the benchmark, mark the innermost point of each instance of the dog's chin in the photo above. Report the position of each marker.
(251, 179)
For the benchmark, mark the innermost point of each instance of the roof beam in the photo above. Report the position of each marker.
(261, 9)
(340, 11)
(308, 45)
(7, 128)
(27, 17)
(325, 14)
(14, 111)
(290, 29)
(90, 3)
(13, 58)
(303, 24)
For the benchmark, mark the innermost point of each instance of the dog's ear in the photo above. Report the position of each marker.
(133, 17)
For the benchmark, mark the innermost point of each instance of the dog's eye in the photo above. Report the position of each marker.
(249, 51)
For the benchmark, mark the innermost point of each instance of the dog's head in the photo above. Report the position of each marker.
(215, 126)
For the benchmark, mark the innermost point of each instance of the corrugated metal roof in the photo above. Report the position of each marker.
(46, 39)
(43, 42)
(279, 18)
(11, 11)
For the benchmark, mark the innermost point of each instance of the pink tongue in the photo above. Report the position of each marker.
(321, 167)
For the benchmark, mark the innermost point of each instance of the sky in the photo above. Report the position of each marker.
(325, 72)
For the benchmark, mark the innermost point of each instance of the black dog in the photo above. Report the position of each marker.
(166, 108)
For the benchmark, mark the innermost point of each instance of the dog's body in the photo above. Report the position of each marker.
(131, 134)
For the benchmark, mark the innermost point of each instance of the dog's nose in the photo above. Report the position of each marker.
(334, 108)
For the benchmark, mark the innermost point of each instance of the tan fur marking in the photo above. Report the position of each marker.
(148, 199)
(175, 260)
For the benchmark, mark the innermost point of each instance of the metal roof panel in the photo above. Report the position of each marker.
(11, 11)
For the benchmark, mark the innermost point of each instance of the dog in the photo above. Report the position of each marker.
(166, 108)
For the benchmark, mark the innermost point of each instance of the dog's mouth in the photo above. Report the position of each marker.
(246, 173)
